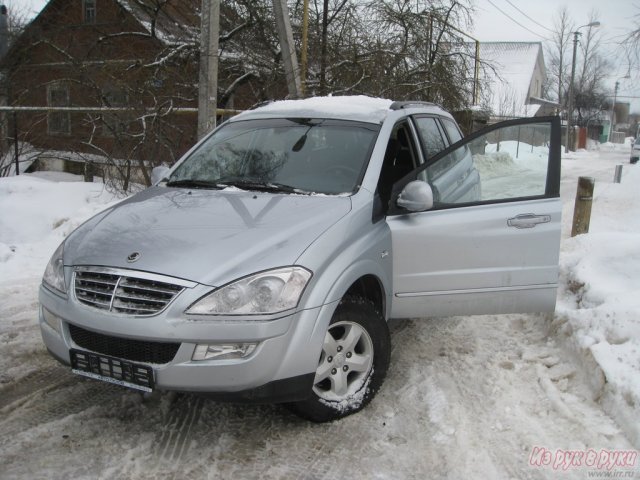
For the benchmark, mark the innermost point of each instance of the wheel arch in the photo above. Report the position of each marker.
(366, 278)
(369, 287)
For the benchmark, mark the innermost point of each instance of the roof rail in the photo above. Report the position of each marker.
(412, 103)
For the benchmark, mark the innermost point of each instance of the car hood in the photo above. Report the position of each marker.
(207, 236)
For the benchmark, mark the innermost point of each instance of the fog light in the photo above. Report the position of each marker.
(223, 351)
(51, 320)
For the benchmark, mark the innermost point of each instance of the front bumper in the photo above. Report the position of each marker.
(281, 368)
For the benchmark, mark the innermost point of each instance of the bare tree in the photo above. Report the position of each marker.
(632, 41)
(591, 67)
(559, 53)
(591, 71)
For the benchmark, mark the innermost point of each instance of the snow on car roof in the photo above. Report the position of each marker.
(356, 107)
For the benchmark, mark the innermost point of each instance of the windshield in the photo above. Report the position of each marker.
(292, 155)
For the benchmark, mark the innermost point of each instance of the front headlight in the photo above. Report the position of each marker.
(267, 292)
(54, 273)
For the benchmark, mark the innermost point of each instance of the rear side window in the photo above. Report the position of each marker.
(452, 130)
(430, 136)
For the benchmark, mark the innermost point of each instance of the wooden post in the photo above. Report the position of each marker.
(16, 150)
(617, 176)
(88, 171)
(582, 209)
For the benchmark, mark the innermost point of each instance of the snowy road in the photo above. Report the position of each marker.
(465, 397)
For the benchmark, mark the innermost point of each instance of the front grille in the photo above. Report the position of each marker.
(127, 349)
(106, 290)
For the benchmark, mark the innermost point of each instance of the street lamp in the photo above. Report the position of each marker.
(613, 105)
(573, 71)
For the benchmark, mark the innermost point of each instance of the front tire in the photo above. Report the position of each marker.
(352, 365)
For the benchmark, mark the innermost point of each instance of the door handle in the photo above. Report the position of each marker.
(528, 220)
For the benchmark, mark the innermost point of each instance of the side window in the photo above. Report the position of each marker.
(452, 130)
(89, 11)
(505, 163)
(58, 96)
(430, 136)
(115, 123)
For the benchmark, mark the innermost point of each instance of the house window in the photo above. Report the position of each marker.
(89, 11)
(58, 96)
(115, 123)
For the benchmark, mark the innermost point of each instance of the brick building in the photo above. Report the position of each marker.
(141, 55)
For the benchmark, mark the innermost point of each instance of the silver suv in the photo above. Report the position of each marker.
(265, 264)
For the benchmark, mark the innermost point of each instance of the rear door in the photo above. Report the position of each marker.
(490, 244)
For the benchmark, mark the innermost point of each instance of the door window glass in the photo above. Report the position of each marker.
(505, 163)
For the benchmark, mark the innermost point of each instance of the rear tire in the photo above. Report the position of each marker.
(352, 365)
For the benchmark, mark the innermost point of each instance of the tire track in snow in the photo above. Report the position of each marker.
(48, 378)
(176, 434)
(56, 401)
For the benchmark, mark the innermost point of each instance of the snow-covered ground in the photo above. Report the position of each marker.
(465, 397)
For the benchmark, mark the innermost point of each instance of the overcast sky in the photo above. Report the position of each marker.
(528, 20)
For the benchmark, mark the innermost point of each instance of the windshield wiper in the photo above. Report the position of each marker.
(193, 183)
(262, 186)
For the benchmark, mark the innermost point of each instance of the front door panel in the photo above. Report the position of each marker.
(495, 251)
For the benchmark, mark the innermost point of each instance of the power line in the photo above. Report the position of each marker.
(537, 23)
(515, 21)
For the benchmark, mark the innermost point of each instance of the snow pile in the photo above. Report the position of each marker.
(50, 209)
(598, 311)
(512, 169)
(27, 154)
(494, 164)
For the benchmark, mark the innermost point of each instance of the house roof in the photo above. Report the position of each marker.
(171, 21)
(514, 64)
(168, 21)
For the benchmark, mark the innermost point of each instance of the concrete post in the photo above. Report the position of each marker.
(208, 77)
(287, 47)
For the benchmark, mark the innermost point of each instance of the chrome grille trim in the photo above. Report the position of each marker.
(127, 292)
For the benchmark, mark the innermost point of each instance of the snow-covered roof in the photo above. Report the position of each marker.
(514, 65)
(173, 21)
(358, 107)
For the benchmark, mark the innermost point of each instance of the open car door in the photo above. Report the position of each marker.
(476, 228)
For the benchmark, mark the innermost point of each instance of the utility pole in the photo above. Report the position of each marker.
(287, 47)
(570, 105)
(613, 109)
(576, 34)
(208, 78)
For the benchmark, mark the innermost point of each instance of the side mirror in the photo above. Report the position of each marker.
(158, 173)
(416, 196)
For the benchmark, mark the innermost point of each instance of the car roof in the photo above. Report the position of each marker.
(356, 107)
